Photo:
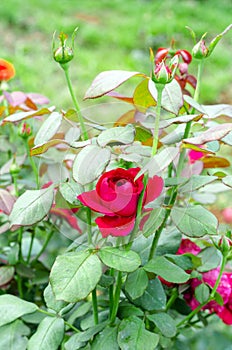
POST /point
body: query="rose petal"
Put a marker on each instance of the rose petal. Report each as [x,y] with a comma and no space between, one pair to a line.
[115,225]
[226,315]
[92,200]
[154,188]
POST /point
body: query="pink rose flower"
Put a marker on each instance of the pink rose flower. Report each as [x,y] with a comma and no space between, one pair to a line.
[116,197]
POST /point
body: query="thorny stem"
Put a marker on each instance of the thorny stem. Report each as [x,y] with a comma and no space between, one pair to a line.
[80,117]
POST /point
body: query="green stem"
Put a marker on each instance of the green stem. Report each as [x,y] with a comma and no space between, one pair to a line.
[20,237]
[111,292]
[15,182]
[199,76]
[33,165]
[81,119]
[160,88]
[30,248]
[116,298]
[223,264]
[49,236]
[139,211]
[172,299]
[20,288]
[180,163]
[95,306]
[188,125]
[89,226]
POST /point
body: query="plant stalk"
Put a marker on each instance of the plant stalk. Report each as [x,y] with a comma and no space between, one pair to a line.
[74,99]
[116,298]
[95,306]
[160,88]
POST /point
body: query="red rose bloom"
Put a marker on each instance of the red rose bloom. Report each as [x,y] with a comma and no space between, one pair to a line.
[7,70]
[116,196]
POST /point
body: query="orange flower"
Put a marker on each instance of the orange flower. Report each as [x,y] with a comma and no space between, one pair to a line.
[7,70]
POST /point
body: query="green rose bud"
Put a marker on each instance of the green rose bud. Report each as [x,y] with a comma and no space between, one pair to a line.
[64,53]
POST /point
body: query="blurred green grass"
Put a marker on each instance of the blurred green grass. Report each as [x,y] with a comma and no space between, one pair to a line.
[112,35]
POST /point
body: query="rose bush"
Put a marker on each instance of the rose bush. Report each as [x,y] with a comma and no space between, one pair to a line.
[108,239]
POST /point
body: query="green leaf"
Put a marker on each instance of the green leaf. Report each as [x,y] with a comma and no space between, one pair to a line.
[195,182]
[172,98]
[121,260]
[227,180]
[31,207]
[179,120]
[108,81]
[12,308]
[70,191]
[194,221]
[161,266]
[136,283]
[13,336]
[79,311]
[74,275]
[78,340]
[48,128]
[133,335]
[106,340]
[214,133]
[90,163]
[6,274]
[142,97]
[215,40]
[126,309]
[164,323]
[210,259]
[7,201]
[159,162]
[49,334]
[202,293]
[154,297]
[154,221]
[42,148]
[51,301]
[214,111]
[183,261]
[169,241]
[122,135]
[17,117]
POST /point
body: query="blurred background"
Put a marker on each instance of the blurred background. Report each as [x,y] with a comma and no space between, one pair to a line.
[112,35]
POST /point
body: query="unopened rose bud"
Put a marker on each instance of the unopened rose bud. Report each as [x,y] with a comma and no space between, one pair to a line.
[64,53]
[24,130]
[14,168]
[224,245]
[200,51]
